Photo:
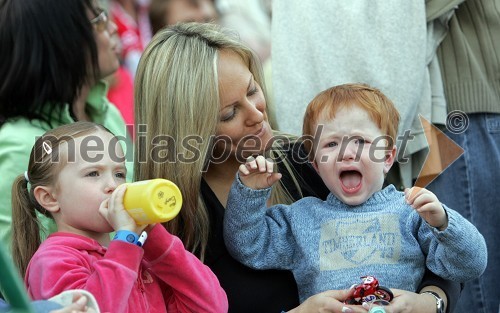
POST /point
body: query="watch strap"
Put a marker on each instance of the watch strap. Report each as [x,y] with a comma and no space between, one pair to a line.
[439,301]
[127,236]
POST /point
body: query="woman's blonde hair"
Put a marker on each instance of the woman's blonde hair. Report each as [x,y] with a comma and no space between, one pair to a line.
[46,161]
[177,105]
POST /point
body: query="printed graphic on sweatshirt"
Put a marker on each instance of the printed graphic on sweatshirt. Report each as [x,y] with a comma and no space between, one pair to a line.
[359,241]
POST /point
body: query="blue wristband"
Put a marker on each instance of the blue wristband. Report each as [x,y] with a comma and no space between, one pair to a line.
[127,236]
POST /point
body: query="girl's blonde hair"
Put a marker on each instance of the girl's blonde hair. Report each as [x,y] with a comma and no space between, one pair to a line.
[177,98]
[46,161]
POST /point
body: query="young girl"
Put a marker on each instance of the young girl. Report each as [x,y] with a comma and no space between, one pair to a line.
[75,176]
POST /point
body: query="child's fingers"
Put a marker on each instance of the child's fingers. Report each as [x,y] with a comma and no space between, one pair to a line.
[427,208]
[140,228]
[243,169]
[251,163]
[421,200]
[412,194]
[120,219]
[274,177]
[408,197]
[261,163]
[270,166]
[116,199]
[258,172]
[81,302]
[103,208]
[434,214]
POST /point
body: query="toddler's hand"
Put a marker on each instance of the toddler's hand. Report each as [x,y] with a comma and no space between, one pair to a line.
[428,206]
[113,211]
[257,173]
[76,307]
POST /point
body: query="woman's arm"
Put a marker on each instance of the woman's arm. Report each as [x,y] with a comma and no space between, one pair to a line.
[330,301]
[448,290]
[406,301]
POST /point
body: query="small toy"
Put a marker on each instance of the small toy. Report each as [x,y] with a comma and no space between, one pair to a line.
[369,291]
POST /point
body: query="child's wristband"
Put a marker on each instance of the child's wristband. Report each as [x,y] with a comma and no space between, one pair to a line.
[130,237]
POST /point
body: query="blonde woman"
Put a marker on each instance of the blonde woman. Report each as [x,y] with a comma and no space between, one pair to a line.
[201,111]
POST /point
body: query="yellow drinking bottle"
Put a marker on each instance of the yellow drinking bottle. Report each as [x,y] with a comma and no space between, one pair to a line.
[152,201]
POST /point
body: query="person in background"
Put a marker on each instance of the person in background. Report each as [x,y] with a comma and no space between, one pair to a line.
[388,46]
[51,80]
[201,100]
[251,19]
[170,12]
[470,67]
[133,28]
[133,18]
[133,34]
[121,94]
[121,88]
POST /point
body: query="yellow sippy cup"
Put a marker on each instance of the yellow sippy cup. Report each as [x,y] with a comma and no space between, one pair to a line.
[152,201]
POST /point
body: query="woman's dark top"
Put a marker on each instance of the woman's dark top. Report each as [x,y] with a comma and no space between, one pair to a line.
[272,291]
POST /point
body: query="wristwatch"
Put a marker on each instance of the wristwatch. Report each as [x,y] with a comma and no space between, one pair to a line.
[439,301]
[131,237]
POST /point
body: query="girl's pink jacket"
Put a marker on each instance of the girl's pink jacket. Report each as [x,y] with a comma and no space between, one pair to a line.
[162,277]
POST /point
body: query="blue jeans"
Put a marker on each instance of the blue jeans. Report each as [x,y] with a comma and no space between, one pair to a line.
[470,186]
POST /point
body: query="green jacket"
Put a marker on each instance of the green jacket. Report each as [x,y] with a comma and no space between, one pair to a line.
[17,136]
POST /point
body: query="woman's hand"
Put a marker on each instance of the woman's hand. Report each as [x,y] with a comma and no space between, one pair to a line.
[330,301]
[410,302]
